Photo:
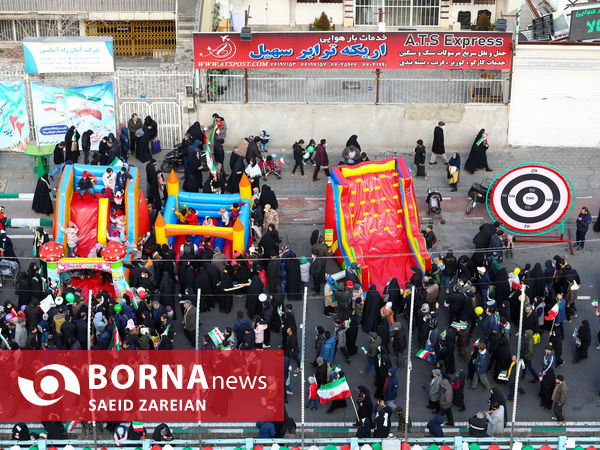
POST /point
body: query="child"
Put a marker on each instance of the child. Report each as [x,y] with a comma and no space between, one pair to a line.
[224,217]
[430,237]
[304,272]
[119,222]
[122,177]
[85,184]
[109,178]
[264,141]
[312,394]
[71,234]
[273,166]
[235,212]
[420,156]
[310,150]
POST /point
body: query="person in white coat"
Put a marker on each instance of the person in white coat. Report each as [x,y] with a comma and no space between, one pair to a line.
[495,418]
[304,272]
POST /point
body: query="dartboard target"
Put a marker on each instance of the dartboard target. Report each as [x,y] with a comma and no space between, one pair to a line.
[531,198]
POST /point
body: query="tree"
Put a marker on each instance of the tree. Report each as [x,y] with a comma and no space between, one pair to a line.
[322,23]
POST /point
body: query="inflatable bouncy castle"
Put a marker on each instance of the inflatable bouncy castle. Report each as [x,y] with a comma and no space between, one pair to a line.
[230,239]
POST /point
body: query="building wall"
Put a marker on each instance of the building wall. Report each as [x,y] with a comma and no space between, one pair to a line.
[307,12]
[555,96]
[379,127]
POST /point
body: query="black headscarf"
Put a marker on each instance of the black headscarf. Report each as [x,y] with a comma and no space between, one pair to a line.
[352,141]
[268,197]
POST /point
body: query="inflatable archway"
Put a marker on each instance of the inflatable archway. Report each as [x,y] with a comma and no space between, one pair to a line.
[52,253]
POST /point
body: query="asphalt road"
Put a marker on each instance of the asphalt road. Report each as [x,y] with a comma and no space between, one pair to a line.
[301,210]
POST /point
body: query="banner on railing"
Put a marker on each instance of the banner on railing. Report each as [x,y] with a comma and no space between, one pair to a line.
[68,54]
[55,109]
[176,385]
[14,120]
[375,50]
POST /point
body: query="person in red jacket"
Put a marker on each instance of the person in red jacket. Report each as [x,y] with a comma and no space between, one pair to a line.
[313,397]
[321,160]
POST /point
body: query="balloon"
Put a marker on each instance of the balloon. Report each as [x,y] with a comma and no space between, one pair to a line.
[118,308]
[293,448]
[9,317]
[258,447]
[70,297]
[331,447]
[433,447]
[283,447]
[444,447]
[188,448]
[473,446]
[23,310]
[377,446]
[493,447]
[545,447]
[529,447]
[343,447]
[86,448]
[591,447]
[33,447]
[155,447]
[405,446]
[479,310]
[208,448]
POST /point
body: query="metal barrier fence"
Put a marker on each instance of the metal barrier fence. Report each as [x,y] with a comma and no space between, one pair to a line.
[356,87]
[74,6]
[455,443]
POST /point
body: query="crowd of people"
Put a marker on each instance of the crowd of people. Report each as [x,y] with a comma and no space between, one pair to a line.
[473,294]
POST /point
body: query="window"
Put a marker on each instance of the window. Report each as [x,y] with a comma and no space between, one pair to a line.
[320,1]
[485,2]
[398,13]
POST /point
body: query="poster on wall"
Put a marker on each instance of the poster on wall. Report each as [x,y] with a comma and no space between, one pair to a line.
[14,120]
[69,54]
[355,50]
[55,109]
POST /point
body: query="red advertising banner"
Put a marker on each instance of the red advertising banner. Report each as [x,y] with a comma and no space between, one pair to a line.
[177,385]
[393,50]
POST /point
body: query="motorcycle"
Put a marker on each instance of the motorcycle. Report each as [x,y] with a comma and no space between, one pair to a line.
[477,194]
[174,160]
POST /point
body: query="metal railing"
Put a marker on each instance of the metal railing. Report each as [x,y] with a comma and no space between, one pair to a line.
[74,6]
[457,442]
[459,87]
[151,85]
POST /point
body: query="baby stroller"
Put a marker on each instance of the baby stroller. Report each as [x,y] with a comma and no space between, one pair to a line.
[268,166]
[434,203]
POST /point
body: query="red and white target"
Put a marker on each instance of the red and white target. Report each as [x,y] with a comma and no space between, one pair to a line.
[531,198]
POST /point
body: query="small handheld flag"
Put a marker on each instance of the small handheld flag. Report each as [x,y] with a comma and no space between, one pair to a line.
[553,312]
[70,426]
[423,354]
[595,303]
[476,343]
[282,161]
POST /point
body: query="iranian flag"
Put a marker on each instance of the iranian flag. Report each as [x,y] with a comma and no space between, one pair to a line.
[423,354]
[115,342]
[460,325]
[553,312]
[595,303]
[70,426]
[335,390]
[138,427]
[282,161]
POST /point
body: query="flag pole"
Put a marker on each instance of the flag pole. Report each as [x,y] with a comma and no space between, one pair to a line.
[198,320]
[518,372]
[409,362]
[354,404]
[302,382]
